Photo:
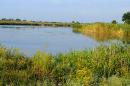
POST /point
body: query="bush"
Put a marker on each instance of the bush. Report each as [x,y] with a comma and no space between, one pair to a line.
[114,22]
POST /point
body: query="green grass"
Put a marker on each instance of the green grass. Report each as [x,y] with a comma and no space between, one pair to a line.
[102,66]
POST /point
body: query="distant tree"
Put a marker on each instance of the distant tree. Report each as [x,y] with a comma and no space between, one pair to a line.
[73,21]
[3,19]
[76,24]
[126,18]
[18,19]
[114,22]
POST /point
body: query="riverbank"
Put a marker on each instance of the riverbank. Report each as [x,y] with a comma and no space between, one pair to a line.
[105,31]
[105,65]
[35,23]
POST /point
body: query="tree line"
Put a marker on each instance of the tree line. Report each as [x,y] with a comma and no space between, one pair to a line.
[125,19]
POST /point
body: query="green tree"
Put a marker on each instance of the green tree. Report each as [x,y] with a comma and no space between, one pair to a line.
[3,19]
[76,24]
[18,19]
[114,22]
[126,18]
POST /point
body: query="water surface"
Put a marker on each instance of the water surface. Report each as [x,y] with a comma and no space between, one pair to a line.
[54,40]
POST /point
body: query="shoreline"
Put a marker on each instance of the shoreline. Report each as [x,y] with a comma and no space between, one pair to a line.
[34,23]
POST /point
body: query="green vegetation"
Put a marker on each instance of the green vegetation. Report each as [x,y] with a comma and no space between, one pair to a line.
[114,22]
[103,66]
[25,22]
[126,18]
[105,31]
[76,24]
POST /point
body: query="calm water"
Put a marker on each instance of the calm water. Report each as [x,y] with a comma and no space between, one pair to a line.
[53,40]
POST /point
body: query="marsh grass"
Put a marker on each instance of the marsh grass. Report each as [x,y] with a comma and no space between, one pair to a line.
[102,66]
[105,31]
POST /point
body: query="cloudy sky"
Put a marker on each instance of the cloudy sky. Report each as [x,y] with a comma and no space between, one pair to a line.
[65,10]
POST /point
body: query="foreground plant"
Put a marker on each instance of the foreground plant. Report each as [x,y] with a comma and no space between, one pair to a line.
[105,65]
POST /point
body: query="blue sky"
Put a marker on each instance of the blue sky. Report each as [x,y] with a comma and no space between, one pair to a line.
[65,10]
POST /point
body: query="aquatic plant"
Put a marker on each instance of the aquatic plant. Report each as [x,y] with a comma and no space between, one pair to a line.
[105,31]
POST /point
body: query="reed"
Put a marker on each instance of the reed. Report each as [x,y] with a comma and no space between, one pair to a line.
[105,31]
[101,66]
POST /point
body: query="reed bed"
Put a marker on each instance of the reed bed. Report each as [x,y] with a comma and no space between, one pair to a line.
[102,66]
[105,31]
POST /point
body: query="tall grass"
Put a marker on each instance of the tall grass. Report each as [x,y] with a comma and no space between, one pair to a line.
[105,31]
[102,66]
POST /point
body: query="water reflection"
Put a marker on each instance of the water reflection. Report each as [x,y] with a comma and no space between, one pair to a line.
[52,40]
[56,40]
[102,33]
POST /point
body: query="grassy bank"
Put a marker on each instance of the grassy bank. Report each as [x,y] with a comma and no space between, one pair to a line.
[105,31]
[103,66]
[20,22]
